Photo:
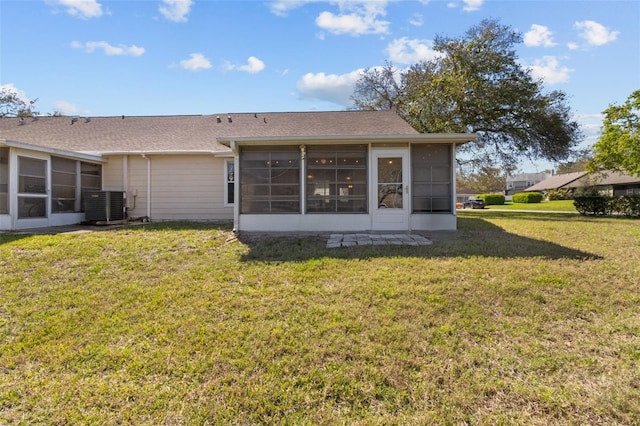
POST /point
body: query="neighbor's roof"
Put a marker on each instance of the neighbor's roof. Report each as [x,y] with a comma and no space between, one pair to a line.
[556,181]
[123,134]
[606,177]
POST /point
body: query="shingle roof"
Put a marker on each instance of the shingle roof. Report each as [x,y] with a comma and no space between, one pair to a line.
[193,132]
[556,181]
[604,178]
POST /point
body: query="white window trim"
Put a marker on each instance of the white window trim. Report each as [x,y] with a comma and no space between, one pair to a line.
[226,182]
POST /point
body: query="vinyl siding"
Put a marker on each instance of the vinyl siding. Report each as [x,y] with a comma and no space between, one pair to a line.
[183,187]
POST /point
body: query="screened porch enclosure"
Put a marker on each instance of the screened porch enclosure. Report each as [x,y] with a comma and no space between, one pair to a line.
[321,180]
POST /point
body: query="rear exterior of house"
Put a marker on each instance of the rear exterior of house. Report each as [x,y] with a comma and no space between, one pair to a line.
[356,171]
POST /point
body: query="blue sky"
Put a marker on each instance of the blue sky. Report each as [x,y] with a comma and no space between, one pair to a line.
[165,57]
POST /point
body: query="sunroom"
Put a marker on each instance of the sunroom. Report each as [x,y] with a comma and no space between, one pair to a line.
[44,187]
[354,183]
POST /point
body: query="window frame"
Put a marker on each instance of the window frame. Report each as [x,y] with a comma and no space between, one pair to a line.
[341,169]
[229,182]
[276,194]
[429,182]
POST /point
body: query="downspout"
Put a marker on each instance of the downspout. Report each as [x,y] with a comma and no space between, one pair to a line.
[125,182]
[236,192]
[148,186]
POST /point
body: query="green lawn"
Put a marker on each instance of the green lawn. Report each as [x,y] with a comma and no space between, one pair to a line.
[517,318]
[557,206]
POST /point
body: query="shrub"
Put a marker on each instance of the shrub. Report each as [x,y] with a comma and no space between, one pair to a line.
[628,205]
[593,204]
[559,194]
[527,197]
[492,199]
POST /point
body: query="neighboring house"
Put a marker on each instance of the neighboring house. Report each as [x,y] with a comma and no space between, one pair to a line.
[311,171]
[464,194]
[555,182]
[520,182]
[609,182]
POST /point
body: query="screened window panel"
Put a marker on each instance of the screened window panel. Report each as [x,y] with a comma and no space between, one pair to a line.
[4,180]
[431,178]
[270,180]
[32,176]
[32,207]
[336,179]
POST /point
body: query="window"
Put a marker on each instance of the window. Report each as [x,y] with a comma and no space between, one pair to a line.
[32,188]
[431,175]
[336,180]
[70,179]
[270,181]
[90,180]
[63,185]
[229,179]
[4,180]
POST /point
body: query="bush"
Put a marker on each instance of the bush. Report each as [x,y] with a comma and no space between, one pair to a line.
[492,199]
[601,205]
[559,194]
[592,205]
[527,197]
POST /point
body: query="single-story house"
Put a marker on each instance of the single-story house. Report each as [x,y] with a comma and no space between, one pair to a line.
[607,182]
[306,171]
[555,182]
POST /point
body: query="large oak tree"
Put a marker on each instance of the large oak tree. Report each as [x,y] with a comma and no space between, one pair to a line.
[477,84]
[619,145]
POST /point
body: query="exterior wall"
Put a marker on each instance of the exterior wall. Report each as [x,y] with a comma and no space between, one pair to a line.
[182,187]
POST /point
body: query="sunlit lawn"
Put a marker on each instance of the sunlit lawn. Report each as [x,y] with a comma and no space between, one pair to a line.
[517,318]
[556,205]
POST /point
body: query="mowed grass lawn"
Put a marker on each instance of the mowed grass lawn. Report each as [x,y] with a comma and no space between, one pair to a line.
[517,318]
[556,205]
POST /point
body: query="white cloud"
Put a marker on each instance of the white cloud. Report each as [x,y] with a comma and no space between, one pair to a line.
[109,49]
[594,33]
[176,10]
[417,20]
[362,18]
[539,35]
[329,87]
[282,7]
[472,5]
[468,5]
[353,17]
[196,62]
[83,9]
[573,46]
[410,51]
[548,69]
[65,108]
[253,66]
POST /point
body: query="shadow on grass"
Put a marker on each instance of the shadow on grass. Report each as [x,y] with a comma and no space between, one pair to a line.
[475,237]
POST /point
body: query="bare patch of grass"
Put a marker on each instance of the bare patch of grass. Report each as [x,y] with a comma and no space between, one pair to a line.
[516,318]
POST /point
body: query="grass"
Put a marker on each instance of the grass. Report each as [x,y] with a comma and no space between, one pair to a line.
[517,318]
[556,206]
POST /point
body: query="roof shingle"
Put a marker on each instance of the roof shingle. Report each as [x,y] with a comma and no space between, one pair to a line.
[193,132]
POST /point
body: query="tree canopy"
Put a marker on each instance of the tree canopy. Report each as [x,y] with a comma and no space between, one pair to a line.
[476,84]
[12,105]
[619,145]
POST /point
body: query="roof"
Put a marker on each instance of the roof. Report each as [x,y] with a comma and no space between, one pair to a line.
[527,177]
[607,177]
[193,133]
[556,181]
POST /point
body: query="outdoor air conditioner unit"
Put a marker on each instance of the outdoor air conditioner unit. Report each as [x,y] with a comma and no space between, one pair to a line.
[104,206]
